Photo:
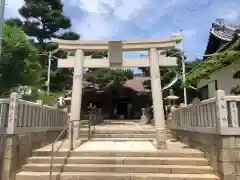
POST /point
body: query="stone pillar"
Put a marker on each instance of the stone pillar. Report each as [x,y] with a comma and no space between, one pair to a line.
[222,113]
[157,99]
[77,93]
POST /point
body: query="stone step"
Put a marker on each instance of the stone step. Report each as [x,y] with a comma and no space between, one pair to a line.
[119,139]
[124,139]
[120,160]
[46,160]
[134,176]
[124,136]
[43,167]
[161,153]
[119,168]
[123,131]
[143,138]
[118,131]
[49,153]
[137,160]
[36,176]
[112,176]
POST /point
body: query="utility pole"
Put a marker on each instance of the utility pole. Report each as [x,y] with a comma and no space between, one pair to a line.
[49,71]
[183,65]
[50,56]
[184,72]
[2,7]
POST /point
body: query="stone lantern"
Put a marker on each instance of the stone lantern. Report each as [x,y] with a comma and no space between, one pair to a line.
[171,98]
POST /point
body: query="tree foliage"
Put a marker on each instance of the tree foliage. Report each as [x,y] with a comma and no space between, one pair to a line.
[14,22]
[19,64]
[108,78]
[214,63]
[43,18]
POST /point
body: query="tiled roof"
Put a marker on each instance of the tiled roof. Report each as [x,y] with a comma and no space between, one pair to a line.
[223,32]
[137,83]
[221,35]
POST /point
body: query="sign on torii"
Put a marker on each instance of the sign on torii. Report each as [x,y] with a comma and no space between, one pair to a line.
[115,59]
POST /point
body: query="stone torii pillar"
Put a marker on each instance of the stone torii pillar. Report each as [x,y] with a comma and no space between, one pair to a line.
[77,94]
[157,98]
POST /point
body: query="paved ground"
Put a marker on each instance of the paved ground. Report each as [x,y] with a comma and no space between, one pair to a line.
[118,145]
[133,146]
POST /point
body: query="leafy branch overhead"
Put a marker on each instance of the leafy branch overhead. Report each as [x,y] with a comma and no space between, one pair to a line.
[214,63]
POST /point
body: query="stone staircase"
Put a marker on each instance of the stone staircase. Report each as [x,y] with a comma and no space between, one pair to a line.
[119,154]
[119,165]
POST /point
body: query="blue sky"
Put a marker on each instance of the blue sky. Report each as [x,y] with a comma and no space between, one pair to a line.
[136,19]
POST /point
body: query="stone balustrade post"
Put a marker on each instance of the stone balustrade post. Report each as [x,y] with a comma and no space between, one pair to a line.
[40,102]
[10,142]
[222,115]
[13,112]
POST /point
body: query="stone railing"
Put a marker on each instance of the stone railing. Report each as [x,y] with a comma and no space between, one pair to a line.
[212,126]
[24,127]
[19,116]
[4,107]
[219,115]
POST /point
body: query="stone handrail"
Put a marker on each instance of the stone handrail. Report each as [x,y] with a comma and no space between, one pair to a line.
[4,107]
[20,116]
[219,115]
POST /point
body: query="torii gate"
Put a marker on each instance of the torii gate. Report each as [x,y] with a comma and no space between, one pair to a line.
[115,50]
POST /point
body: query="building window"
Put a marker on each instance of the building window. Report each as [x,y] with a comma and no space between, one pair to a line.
[216,85]
[203,93]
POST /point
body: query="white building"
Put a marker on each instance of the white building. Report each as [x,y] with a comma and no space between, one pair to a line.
[220,79]
[223,38]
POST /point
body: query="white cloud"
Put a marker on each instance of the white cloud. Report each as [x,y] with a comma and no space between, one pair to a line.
[104,18]
[107,19]
[129,9]
[228,10]
[93,6]
[11,8]
[96,27]
[122,9]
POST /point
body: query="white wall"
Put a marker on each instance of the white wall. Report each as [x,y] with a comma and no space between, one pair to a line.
[224,79]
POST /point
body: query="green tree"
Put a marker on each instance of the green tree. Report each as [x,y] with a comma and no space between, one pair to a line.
[108,79]
[43,18]
[19,64]
[14,22]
